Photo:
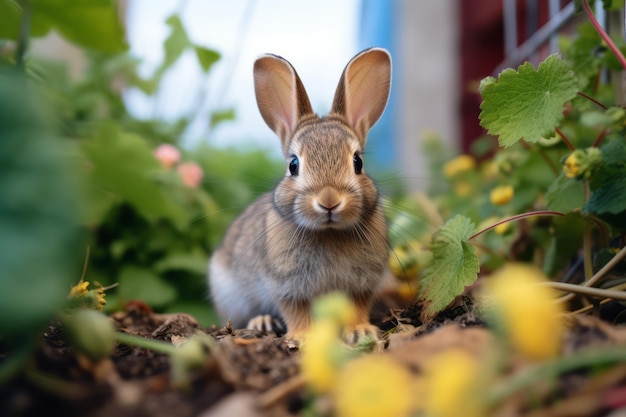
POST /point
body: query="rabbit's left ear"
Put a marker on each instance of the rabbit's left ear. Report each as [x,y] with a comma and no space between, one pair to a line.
[363,90]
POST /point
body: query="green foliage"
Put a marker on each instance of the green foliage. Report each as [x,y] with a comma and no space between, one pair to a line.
[140,183]
[572,162]
[453,267]
[177,43]
[526,103]
[150,226]
[39,236]
[89,23]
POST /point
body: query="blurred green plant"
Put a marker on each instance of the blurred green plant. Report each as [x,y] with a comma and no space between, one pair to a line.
[561,164]
[150,222]
[39,213]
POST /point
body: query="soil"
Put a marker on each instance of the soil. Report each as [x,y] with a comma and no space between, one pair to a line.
[252,373]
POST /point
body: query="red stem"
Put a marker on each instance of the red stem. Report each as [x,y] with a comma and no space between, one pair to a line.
[519,216]
[618,54]
[565,139]
[601,136]
[593,100]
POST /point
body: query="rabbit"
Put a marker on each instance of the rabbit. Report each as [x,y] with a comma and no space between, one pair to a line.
[322,228]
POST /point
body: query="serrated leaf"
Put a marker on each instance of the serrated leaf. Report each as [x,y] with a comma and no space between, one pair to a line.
[527,103]
[453,267]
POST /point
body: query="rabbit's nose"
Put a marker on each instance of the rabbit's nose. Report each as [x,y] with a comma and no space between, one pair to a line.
[329,200]
[325,208]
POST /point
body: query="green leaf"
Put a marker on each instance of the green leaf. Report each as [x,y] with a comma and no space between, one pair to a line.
[583,53]
[565,242]
[609,197]
[92,24]
[11,13]
[453,267]
[526,103]
[143,284]
[614,152]
[565,194]
[196,263]
[223,115]
[174,45]
[206,57]
[40,245]
[110,154]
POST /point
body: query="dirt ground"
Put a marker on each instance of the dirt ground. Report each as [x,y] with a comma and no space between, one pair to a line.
[255,374]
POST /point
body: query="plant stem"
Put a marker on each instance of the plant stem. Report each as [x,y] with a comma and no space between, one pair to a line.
[518,217]
[600,137]
[594,292]
[587,238]
[565,139]
[605,37]
[145,343]
[601,273]
[530,375]
[593,100]
[22,41]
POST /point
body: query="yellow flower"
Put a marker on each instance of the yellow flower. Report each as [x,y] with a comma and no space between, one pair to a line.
[527,310]
[319,355]
[335,306]
[571,168]
[451,387]
[374,386]
[100,301]
[501,195]
[462,189]
[458,165]
[79,290]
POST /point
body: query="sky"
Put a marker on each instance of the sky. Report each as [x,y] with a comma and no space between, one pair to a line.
[318,38]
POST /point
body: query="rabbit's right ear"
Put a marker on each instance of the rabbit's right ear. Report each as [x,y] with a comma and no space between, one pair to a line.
[280,96]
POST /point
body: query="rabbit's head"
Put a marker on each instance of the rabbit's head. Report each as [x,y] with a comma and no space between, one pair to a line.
[325,185]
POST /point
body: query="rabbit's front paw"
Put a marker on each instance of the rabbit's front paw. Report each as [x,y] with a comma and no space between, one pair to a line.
[355,334]
[266,323]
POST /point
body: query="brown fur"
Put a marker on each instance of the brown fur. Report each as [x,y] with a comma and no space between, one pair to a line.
[323,229]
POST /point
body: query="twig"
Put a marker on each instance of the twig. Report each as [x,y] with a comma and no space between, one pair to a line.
[280,391]
[600,137]
[565,139]
[518,217]
[593,100]
[600,274]
[591,291]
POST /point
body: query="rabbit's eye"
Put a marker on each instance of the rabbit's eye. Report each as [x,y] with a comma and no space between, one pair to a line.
[294,165]
[358,163]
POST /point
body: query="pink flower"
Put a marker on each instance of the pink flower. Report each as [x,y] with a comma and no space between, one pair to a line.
[167,154]
[190,173]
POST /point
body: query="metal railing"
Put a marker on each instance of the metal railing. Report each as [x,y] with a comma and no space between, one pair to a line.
[517,52]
